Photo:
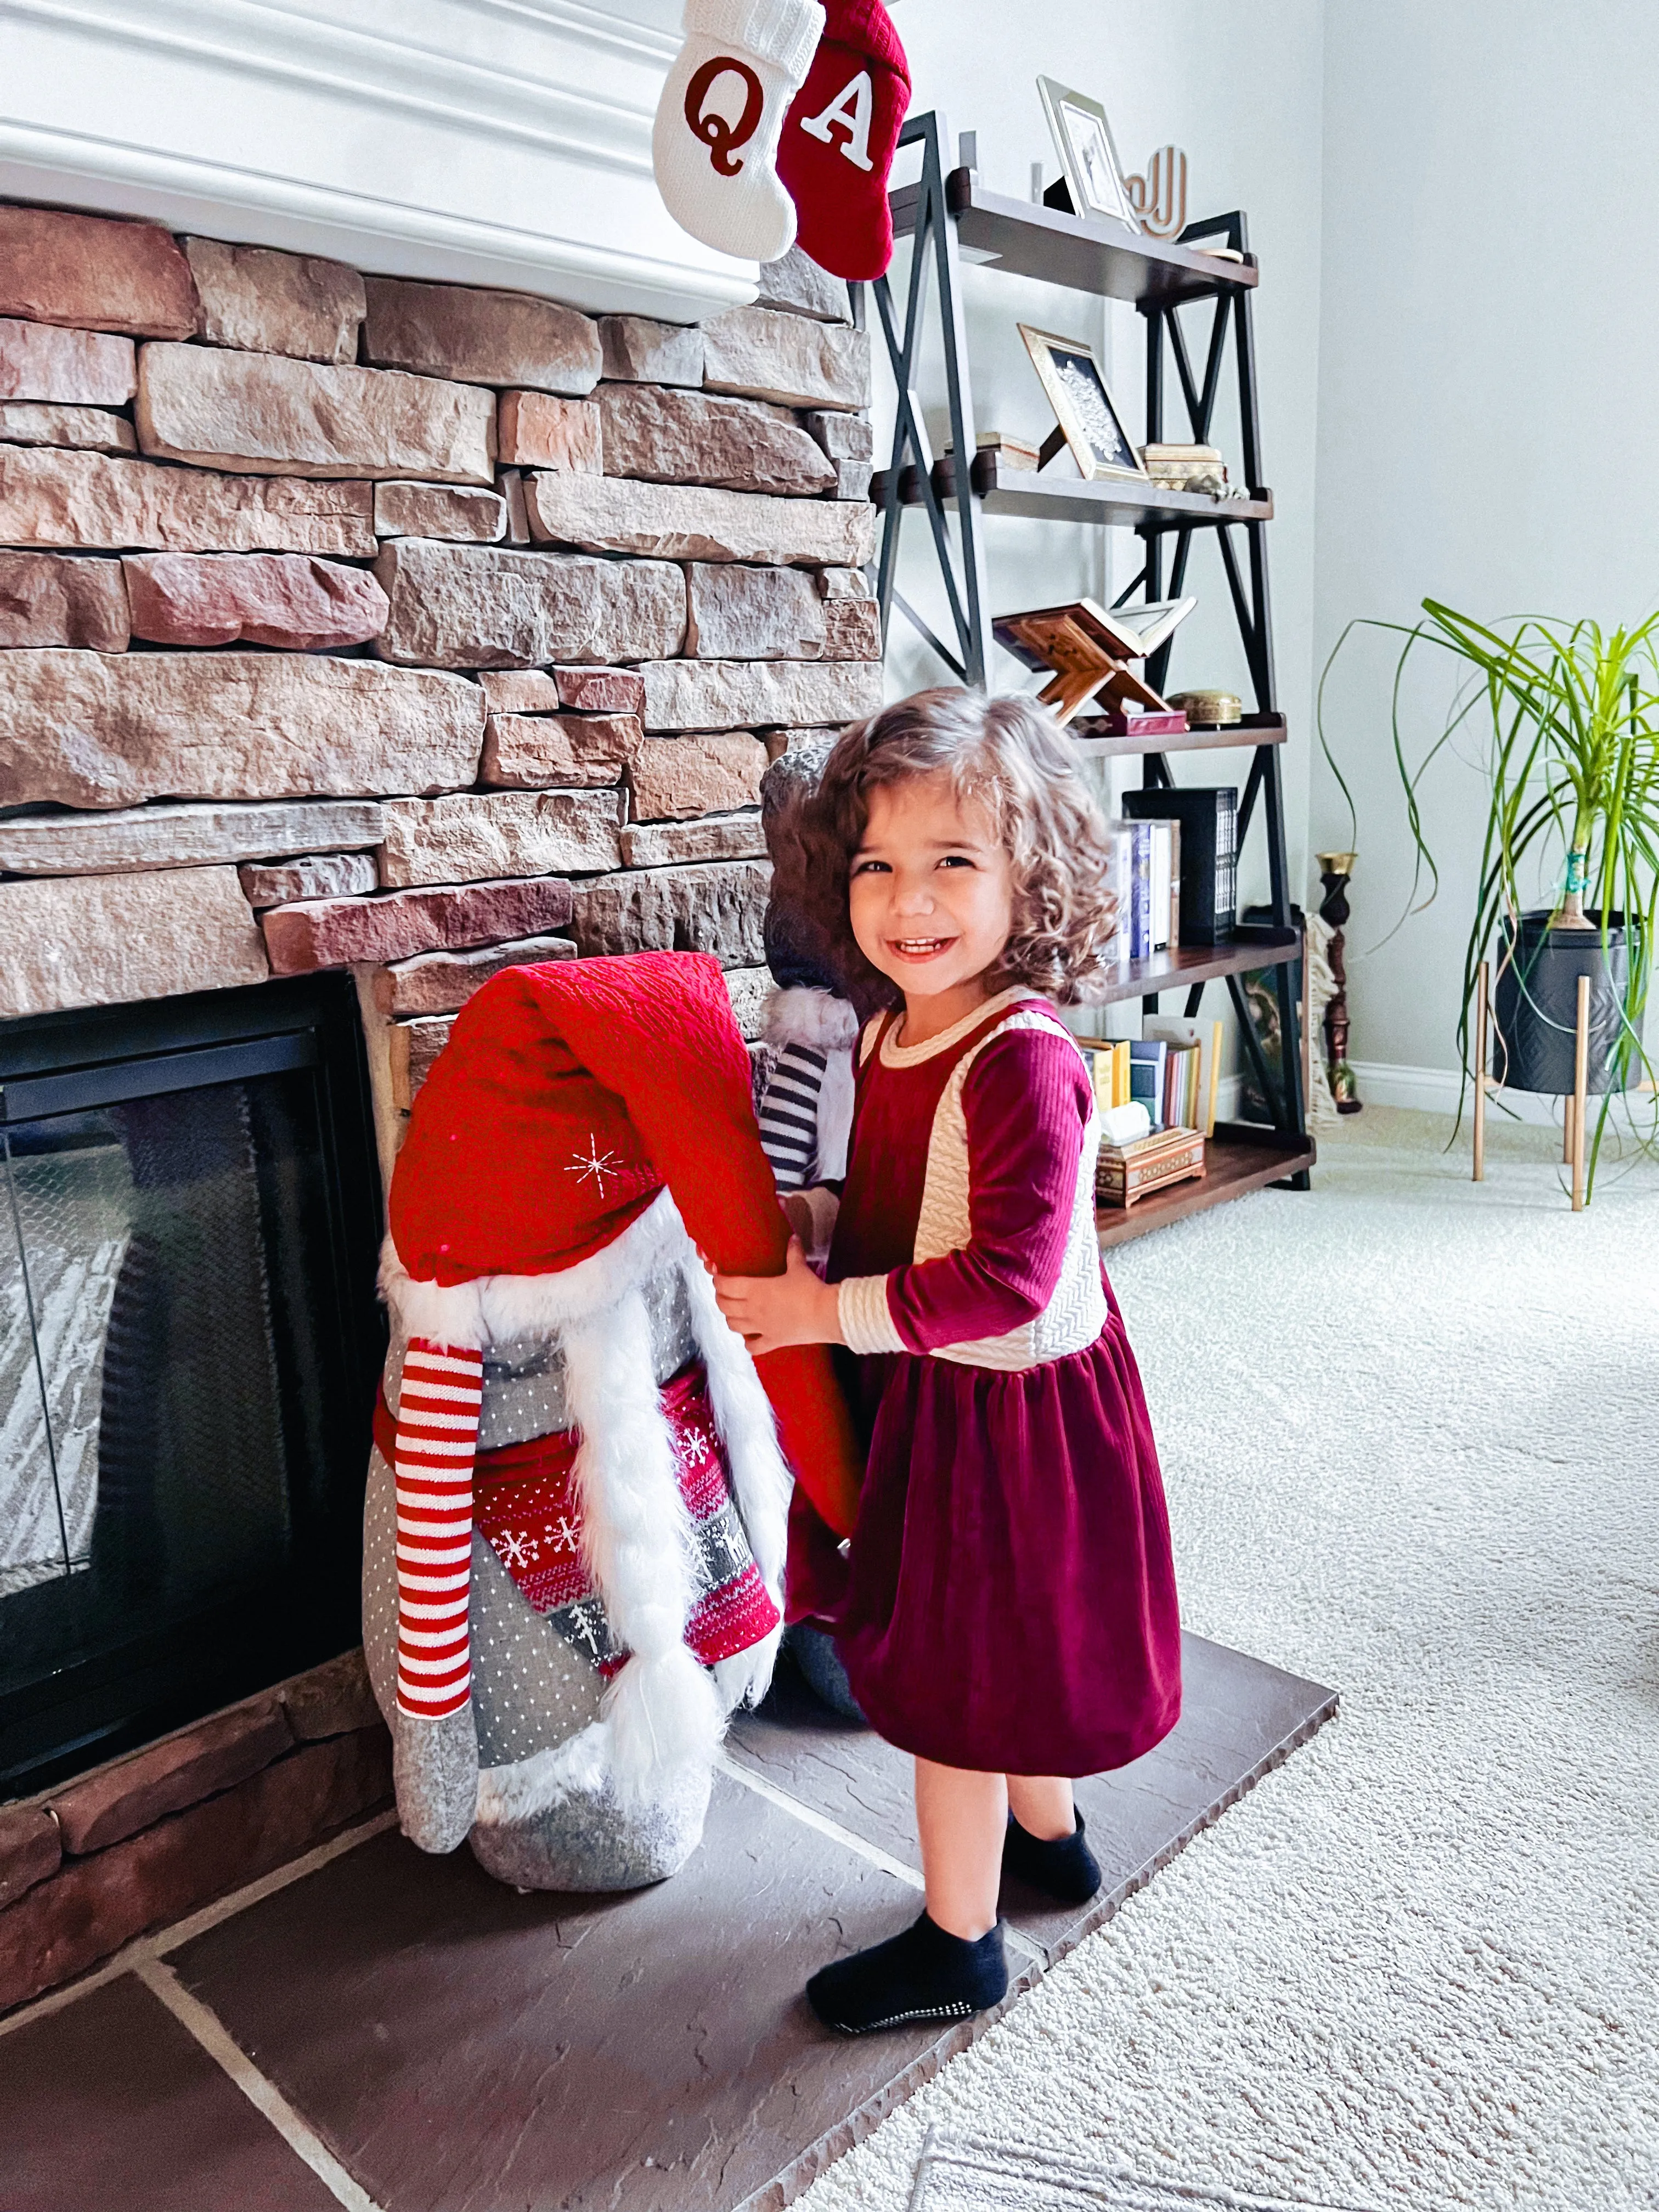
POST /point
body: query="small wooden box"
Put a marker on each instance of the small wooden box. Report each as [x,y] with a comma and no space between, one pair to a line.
[1131,1172]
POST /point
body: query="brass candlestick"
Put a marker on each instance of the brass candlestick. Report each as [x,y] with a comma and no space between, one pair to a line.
[1335,871]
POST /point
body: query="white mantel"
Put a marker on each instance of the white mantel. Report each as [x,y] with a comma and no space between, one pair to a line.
[489,142]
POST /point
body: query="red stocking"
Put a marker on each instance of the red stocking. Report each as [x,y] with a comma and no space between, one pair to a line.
[838,141]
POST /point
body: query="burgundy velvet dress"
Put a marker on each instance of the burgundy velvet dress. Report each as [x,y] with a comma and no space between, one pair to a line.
[1011,1604]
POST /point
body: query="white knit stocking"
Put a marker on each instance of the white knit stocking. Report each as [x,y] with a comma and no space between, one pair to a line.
[716,142]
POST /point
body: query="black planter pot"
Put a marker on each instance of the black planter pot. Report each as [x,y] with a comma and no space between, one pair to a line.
[1535,1004]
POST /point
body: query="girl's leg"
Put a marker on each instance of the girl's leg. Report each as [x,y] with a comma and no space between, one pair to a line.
[962,1818]
[1042,1805]
[949,1963]
[1046,1846]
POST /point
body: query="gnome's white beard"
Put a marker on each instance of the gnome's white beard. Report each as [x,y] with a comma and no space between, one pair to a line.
[636,1535]
[663,1711]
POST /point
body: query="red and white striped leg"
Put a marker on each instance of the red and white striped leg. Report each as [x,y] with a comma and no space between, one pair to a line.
[437,1408]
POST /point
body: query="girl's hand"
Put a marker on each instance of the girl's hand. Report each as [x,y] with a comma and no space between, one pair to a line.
[771,1311]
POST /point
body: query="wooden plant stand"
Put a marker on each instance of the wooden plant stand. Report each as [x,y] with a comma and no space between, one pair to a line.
[1573,1104]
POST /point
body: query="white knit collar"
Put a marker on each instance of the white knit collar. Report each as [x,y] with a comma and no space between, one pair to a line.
[912,1056]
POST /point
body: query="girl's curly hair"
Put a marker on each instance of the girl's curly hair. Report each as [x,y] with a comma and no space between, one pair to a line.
[1007,755]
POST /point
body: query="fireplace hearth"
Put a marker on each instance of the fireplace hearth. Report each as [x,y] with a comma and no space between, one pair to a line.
[189,1208]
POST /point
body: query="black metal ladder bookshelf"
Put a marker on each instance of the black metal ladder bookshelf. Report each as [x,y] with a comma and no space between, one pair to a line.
[950,219]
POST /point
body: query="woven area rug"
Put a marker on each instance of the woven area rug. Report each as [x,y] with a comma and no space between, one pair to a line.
[1411,1436]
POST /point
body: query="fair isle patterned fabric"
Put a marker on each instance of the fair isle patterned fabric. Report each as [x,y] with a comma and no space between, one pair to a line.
[432,1455]
[522,1500]
[789,1115]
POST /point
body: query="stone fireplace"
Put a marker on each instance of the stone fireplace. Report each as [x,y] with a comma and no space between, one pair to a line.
[360,634]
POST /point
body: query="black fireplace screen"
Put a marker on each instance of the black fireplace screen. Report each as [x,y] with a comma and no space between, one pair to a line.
[188,1209]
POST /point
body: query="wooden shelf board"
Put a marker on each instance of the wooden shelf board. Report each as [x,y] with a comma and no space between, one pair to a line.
[1188,964]
[1082,254]
[1233,1167]
[1231,737]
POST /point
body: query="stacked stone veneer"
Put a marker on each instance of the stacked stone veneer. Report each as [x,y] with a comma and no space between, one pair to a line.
[354,622]
[143,1840]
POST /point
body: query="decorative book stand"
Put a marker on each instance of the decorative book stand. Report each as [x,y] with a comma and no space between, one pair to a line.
[948,219]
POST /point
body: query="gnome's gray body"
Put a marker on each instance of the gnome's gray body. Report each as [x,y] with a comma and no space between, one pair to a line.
[558,1779]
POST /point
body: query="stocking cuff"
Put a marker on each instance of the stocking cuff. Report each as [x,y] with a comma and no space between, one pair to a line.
[867,29]
[784,33]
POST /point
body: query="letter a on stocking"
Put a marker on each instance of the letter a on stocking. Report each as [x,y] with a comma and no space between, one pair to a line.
[837,145]
[715,140]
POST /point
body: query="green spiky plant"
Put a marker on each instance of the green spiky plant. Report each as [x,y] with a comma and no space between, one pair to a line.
[1572,768]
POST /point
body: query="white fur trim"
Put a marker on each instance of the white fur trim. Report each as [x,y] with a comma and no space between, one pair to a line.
[637,1538]
[743,1413]
[746,1676]
[580,1764]
[835,1095]
[818,1019]
[495,1309]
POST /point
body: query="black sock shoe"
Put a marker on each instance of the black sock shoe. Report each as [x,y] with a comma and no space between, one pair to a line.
[1065,1869]
[923,1974]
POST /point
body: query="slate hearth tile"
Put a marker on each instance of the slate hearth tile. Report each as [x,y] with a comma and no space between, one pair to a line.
[1240,1716]
[457,2044]
[110,2102]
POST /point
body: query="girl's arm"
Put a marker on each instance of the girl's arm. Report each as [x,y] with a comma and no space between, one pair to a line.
[1025,1104]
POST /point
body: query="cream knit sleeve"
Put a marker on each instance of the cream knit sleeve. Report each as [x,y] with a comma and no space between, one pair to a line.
[866,1325]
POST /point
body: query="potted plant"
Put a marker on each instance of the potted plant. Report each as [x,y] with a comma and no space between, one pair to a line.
[1569,868]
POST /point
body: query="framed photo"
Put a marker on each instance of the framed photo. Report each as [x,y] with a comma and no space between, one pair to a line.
[1083,405]
[1083,139]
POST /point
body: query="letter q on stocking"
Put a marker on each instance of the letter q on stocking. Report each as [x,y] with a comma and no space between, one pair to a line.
[714,141]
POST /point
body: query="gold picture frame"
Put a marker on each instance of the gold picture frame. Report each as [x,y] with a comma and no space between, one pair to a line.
[1088,155]
[1072,376]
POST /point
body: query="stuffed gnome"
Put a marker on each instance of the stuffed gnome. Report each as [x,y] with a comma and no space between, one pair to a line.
[575,1528]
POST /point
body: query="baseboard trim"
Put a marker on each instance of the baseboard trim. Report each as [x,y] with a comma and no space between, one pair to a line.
[1437,1090]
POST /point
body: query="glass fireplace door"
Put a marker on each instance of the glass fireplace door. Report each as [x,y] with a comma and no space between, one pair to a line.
[187,1349]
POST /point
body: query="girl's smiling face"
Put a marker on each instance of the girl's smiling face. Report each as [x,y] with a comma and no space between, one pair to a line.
[931,892]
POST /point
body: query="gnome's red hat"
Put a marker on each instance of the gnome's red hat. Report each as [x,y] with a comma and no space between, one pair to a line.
[587,1126]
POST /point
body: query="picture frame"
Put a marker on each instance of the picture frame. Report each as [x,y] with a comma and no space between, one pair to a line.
[1088,155]
[1070,373]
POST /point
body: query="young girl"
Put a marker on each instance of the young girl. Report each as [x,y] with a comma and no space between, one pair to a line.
[1010,1613]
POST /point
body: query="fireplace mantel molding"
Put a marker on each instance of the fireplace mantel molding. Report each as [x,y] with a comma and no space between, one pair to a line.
[485,141]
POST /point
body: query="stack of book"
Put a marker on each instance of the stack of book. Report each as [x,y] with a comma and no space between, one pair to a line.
[1203,821]
[1013,453]
[1186,468]
[1144,870]
[1172,1070]
[1128,1172]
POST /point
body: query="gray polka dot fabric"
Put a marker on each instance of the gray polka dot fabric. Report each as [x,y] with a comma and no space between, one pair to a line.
[531,1689]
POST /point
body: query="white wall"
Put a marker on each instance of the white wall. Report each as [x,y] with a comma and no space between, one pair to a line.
[1488,357]
[1240,89]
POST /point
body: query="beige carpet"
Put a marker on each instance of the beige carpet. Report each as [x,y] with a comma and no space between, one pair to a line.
[1411,1434]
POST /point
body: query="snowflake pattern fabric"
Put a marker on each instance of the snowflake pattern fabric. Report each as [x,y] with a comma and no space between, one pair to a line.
[525,1505]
